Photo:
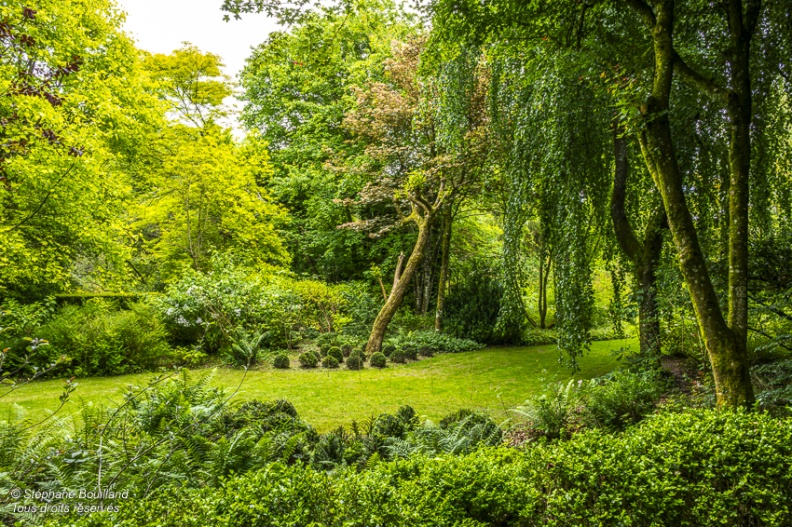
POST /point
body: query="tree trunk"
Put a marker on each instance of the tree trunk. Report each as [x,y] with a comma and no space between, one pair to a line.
[400,285]
[644,256]
[728,357]
[544,275]
[444,259]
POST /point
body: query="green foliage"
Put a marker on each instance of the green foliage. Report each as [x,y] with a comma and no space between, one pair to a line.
[436,342]
[388,350]
[472,306]
[281,361]
[621,399]
[354,362]
[550,413]
[336,353]
[330,362]
[99,339]
[308,359]
[703,468]
[378,360]
[398,357]
[75,107]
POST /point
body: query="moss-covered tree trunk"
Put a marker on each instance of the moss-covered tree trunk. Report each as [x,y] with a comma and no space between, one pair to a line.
[400,286]
[727,354]
[643,254]
[445,256]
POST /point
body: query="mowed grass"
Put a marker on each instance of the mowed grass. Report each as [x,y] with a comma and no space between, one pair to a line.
[493,380]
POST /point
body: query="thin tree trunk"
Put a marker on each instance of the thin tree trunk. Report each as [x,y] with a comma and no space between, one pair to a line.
[644,256]
[728,357]
[427,275]
[400,285]
[444,259]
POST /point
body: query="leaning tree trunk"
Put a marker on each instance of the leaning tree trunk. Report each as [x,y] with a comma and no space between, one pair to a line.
[399,287]
[727,354]
[444,259]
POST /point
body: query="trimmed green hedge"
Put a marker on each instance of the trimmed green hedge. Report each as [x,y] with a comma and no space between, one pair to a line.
[702,468]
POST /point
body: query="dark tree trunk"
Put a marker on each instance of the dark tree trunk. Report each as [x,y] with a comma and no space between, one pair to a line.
[445,256]
[644,254]
[545,263]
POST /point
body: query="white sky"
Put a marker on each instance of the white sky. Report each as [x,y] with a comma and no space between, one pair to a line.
[160,26]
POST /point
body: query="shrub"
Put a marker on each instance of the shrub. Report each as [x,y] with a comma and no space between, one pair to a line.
[437,342]
[354,362]
[550,413]
[620,399]
[100,339]
[308,359]
[327,340]
[426,351]
[281,361]
[346,350]
[337,354]
[330,362]
[398,357]
[472,307]
[410,352]
[378,360]
[387,350]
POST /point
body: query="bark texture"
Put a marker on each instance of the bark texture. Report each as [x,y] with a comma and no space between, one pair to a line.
[725,342]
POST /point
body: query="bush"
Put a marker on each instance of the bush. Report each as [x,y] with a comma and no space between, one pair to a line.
[620,399]
[426,352]
[388,350]
[100,339]
[378,360]
[410,353]
[436,342]
[550,413]
[337,355]
[472,307]
[354,362]
[346,350]
[702,468]
[398,357]
[308,359]
[330,362]
[281,361]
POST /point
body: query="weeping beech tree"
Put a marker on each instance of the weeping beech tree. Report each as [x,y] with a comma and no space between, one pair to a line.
[673,68]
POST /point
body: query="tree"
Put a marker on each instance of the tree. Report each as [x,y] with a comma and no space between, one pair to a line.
[408,162]
[199,193]
[297,90]
[73,107]
[681,39]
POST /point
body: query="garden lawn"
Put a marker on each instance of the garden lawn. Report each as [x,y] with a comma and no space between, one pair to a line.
[493,380]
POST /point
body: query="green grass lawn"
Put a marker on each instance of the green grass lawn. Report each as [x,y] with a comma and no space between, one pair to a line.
[492,380]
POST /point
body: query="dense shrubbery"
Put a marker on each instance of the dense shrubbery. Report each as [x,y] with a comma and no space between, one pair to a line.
[612,402]
[434,341]
[97,338]
[472,306]
[691,469]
